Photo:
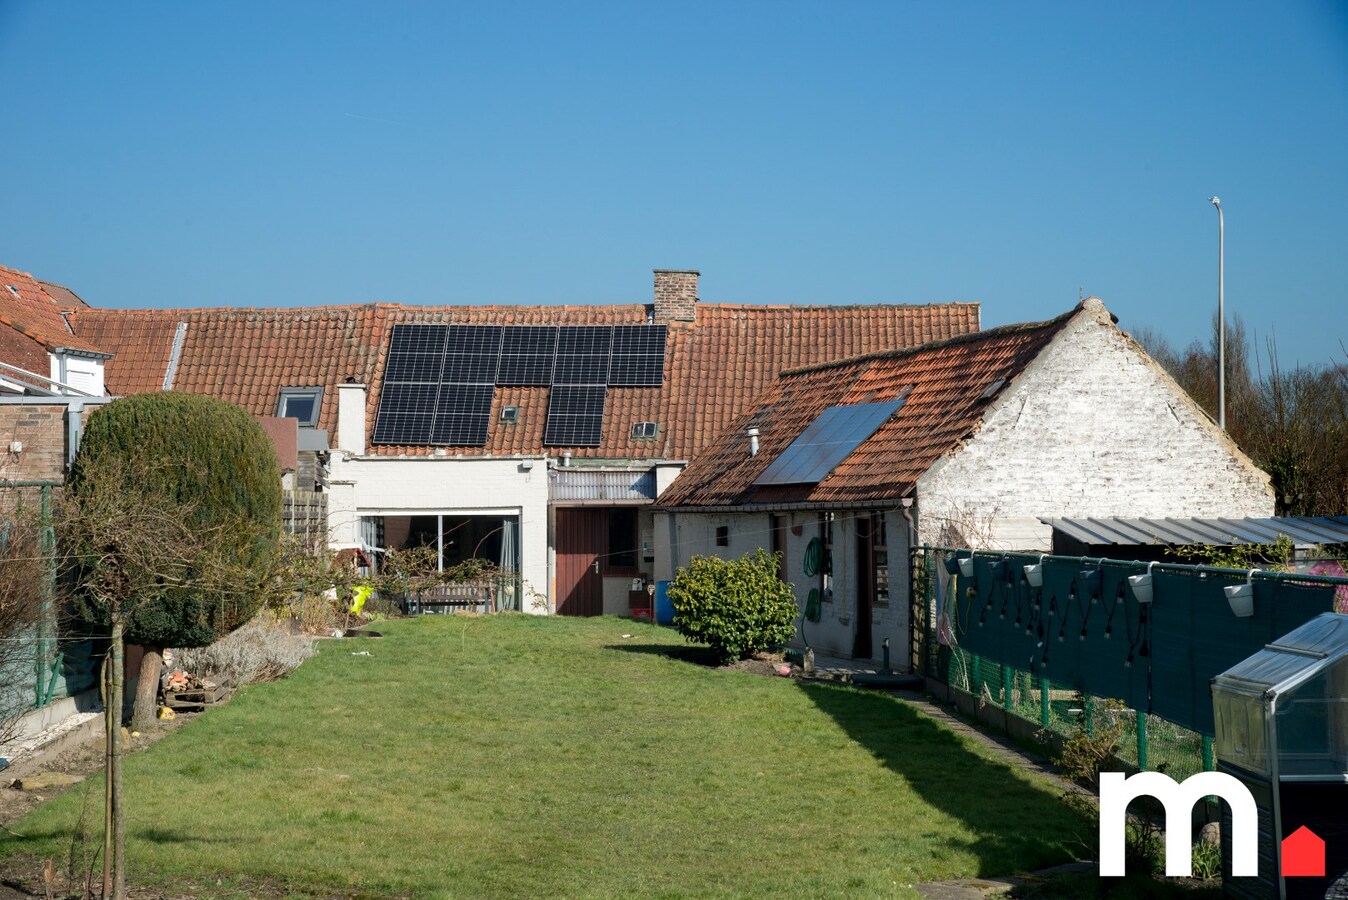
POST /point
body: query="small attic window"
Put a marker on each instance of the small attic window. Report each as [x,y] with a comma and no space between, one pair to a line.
[645,431]
[992,388]
[510,415]
[302,403]
[13,290]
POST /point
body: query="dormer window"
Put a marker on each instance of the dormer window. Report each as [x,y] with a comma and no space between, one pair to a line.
[645,431]
[302,403]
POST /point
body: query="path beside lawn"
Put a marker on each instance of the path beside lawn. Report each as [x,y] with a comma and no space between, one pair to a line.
[524,756]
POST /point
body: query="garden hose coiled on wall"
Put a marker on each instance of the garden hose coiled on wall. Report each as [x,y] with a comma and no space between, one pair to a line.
[814,555]
[812,606]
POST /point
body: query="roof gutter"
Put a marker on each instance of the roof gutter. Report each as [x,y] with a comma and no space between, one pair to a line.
[80,351]
[795,506]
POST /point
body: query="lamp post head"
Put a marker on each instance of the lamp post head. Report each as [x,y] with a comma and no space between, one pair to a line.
[1215,201]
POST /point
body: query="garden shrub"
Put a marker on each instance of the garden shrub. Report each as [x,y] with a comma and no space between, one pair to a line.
[737,607]
[211,459]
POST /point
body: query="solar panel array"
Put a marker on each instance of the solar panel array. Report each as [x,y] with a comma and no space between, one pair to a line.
[440,379]
[827,441]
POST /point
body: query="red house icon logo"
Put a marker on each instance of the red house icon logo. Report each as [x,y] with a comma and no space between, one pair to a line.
[1303,853]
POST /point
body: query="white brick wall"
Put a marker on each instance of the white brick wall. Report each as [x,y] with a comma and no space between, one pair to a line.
[1093,427]
[834,633]
[366,486]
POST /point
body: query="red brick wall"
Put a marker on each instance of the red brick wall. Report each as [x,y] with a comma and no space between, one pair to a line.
[675,295]
[42,431]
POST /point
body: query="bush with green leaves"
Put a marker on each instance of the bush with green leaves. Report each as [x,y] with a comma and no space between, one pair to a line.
[210,459]
[737,607]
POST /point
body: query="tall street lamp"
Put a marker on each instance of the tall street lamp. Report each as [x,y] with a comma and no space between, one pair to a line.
[1221,315]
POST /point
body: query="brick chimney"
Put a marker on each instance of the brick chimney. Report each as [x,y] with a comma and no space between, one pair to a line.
[675,295]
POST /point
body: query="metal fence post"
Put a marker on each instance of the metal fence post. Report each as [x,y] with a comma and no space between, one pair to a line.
[47,644]
[1141,741]
[1208,763]
[1006,688]
[1043,701]
[1088,710]
[976,679]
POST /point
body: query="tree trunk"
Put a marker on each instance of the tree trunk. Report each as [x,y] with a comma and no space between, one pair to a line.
[109,738]
[147,689]
[115,775]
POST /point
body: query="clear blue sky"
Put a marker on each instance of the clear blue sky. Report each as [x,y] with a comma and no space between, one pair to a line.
[248,153]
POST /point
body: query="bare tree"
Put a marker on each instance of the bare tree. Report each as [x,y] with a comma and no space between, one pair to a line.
[1292,423]
[125,549]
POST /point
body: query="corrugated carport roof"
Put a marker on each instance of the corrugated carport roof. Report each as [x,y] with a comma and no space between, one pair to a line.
[1303,530]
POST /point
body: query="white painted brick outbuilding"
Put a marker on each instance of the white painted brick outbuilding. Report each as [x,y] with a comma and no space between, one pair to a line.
[1063,418]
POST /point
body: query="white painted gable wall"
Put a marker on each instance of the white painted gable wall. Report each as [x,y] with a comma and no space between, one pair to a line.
[1092,427]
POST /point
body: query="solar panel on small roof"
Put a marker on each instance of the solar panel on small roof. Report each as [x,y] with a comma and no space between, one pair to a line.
[827,441]
[575,415]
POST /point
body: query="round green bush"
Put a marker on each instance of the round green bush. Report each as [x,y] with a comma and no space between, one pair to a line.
[737,607]
[212,459]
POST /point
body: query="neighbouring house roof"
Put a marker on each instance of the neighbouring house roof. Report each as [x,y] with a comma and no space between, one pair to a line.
[1304,531]
[715,368]
[284,434]
[946,386]
[34,308]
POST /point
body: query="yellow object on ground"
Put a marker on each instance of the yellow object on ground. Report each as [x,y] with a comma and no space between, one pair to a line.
[359,596]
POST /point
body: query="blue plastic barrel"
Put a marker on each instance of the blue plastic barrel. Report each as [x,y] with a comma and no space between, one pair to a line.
[664,610]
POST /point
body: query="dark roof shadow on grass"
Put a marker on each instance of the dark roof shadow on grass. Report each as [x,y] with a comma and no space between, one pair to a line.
[1018,828]
[688,653]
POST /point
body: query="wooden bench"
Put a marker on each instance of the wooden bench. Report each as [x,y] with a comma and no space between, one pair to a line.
[473,595]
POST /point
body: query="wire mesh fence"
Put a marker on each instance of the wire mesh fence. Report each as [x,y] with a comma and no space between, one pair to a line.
[1144,741]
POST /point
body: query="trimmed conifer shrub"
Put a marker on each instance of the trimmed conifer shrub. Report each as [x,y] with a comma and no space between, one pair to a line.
[212,460]
[738,607]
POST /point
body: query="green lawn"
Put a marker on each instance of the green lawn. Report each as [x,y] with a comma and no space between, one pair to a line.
[520,756]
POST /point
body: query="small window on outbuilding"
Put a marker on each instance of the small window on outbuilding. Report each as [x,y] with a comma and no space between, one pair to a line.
[723,535]
[302,403]
[510,415]
[645,431]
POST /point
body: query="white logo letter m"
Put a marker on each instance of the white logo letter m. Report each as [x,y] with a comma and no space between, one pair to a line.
[1117,791]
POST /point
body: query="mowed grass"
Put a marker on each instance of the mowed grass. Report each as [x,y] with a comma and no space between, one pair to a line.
[517,756]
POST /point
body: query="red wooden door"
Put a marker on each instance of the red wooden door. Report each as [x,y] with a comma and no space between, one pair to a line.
[582,538]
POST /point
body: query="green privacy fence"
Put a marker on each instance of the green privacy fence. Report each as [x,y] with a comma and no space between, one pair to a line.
[1052,652]
[40,661]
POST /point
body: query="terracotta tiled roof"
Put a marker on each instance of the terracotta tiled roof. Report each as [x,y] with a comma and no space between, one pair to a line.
[140,345]
[27,307]
[949,384]
[714,371]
